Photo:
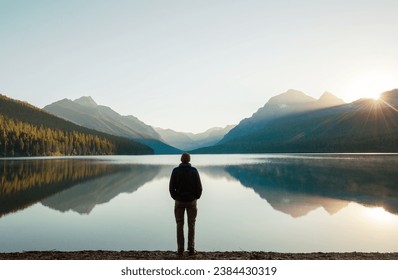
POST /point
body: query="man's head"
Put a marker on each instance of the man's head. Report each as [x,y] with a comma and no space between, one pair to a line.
[185,158]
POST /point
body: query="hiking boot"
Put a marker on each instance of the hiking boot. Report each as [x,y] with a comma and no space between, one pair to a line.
[180,252]
[192,251]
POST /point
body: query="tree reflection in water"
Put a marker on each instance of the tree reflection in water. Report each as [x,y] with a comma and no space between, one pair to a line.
[26,182]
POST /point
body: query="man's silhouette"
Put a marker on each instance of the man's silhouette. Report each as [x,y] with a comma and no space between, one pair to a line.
[185,188]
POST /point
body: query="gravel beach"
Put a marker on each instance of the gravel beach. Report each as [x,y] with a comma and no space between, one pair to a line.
[170,255]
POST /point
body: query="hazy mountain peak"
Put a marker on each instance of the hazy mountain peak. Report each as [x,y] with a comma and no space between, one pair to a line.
[291,96]
[86,101]
[391,92]
[189,141]
[327,95]
[330,99]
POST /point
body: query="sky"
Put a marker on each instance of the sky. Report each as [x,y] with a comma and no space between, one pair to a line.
[191,65]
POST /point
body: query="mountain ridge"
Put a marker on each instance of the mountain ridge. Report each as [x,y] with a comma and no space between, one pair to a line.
[284,104]
[86,101]
[86,112]
[88,109]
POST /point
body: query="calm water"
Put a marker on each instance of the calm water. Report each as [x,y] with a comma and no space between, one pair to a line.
[285,203]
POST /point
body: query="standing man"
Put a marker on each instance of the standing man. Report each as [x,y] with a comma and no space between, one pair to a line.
[185,188]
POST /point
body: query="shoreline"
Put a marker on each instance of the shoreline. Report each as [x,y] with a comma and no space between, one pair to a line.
[171,255]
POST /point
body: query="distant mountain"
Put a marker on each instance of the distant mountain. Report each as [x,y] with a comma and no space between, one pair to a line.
[30,131]
[327,99]
[190,141]
[362,126]
[288,103]
[86,112]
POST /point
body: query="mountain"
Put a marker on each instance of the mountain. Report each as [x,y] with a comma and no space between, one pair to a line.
[26,130]
[365,125]
[287,103]
[190,141]
[86,112]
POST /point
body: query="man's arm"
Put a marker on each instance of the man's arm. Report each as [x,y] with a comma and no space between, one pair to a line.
[198,186]
[172,188]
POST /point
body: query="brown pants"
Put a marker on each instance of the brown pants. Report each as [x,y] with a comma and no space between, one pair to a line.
[179,212]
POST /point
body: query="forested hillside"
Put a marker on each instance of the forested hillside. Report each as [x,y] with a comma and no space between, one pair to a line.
[28,131]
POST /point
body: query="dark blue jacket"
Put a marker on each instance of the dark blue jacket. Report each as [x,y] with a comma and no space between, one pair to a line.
[185,183]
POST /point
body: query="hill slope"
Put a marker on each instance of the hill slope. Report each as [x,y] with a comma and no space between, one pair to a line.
[29,131]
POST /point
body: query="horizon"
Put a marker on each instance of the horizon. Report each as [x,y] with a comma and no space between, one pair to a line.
[193,66]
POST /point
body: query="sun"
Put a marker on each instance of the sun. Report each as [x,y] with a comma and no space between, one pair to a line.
[370,85]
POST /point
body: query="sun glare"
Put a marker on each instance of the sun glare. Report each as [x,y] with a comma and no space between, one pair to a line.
[379,214]
[370,86]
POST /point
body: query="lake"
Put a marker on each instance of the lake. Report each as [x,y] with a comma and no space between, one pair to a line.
[268,202]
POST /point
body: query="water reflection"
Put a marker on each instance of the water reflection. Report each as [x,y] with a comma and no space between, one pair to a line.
[294,185]
[26,182]
[297,185]
[83,197]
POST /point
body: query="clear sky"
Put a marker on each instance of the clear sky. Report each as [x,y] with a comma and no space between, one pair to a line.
[191,65]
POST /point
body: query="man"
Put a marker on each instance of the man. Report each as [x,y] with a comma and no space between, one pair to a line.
[185,188]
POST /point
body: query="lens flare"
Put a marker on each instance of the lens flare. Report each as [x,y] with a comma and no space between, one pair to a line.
[370,86]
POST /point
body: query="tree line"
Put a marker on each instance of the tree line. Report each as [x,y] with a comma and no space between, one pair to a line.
[18,138]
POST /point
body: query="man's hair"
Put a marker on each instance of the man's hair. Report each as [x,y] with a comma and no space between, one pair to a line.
[185,158]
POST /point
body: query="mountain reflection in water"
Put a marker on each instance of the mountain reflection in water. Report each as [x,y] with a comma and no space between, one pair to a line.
[83,197]
[297,185]
[26,182]
[64,184]
[294,185]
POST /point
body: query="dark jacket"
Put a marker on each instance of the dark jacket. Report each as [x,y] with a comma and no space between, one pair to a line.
[185,183]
